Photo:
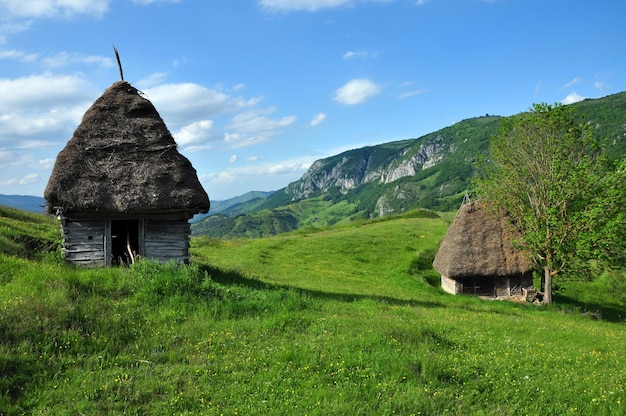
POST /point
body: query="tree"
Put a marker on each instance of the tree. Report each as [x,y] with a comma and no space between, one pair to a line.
[549,175]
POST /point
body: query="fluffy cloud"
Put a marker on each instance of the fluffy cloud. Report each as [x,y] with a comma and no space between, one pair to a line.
[195,132]
[182,104]
[28,179]
[18,55]
[238,140]
[37,110]
[357,91]
[255,173]
[8,28]
[152,80]
[257,120]
[572,98]
[43,91]
[255,126]
[61,59]
[317,119]
[52,8]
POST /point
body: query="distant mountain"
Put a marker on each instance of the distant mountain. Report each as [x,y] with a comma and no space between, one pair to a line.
[433,172]
[24,202]
[234,206]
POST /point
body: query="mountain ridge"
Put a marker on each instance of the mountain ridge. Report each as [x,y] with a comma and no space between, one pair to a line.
[433,172]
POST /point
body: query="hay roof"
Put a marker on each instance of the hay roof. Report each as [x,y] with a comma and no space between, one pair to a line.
[478,243]
[123,159]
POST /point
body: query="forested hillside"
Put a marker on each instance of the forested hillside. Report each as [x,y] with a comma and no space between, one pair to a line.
[432,172]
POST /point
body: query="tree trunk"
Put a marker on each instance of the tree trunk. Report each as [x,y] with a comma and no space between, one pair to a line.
[547,277]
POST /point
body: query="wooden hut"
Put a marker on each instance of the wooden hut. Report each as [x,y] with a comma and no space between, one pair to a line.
[477,257]
[121,188]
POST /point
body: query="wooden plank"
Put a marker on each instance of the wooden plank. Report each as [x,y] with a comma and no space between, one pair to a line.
[86,256]
[172,245]
[83,242]
[161,251]
[83,247]
[89,263]
[168,242]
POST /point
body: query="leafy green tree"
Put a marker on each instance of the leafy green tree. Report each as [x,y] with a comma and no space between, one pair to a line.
[549,175]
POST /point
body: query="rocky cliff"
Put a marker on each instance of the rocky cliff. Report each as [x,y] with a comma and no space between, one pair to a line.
[374,164]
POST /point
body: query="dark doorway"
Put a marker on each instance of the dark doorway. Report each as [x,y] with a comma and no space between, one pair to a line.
[481,286]
[124,241]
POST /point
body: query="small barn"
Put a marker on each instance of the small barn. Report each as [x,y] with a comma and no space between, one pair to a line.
[120,187]
[477,256]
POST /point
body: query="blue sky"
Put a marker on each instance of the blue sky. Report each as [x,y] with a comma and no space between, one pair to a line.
[254,91]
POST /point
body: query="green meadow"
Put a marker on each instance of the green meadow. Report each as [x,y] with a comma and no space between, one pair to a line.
[345,320]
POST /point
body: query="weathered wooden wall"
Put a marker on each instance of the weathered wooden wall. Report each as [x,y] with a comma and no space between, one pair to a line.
[84,242]
[167,240]
[87,242]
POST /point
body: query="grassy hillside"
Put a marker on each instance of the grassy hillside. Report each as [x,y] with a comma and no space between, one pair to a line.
[27,234]
[440,187]
[345,320]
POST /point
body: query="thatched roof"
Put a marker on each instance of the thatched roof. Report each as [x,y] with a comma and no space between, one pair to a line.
[123,159]
[478,243]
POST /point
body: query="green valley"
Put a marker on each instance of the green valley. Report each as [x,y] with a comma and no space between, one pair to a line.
[347,319]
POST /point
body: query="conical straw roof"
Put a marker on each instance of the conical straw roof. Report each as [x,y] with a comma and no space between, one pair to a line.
[478,243]
[123,159]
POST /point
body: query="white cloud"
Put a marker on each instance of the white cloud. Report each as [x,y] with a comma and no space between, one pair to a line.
[359,54]
[237,140]
[8,182]
[239,86]
[286,6]
[357,91]
[61,59]
[196,132]
[43,163]
[317,119]
[43,91]
[573,82]
[232,159]
[255,126]
[298,5]
[52,8]
[412,93]
[222,178]
[262,175]
[18,55]
[12,28]
[37,110]
[152,80]
[28,179]
[182,104]
[599,86]
[258,120]
[572,98]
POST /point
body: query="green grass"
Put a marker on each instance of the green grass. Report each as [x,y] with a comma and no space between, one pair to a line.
[338,321]
[27,234]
